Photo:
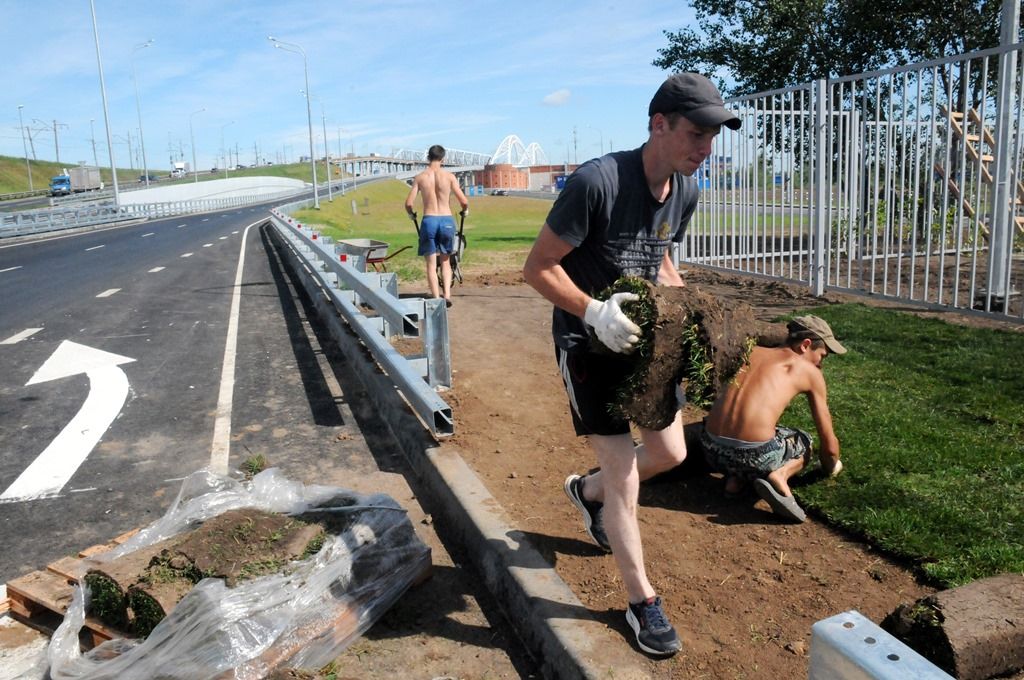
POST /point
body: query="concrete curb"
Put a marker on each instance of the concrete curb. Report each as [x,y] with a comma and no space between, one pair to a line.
[557,629]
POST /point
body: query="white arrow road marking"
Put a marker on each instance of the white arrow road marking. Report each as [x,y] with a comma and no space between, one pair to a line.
[15,339]
[108,389]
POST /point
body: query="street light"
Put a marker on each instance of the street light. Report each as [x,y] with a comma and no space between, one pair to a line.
[24,146]
[292,47]
[192,135]
[223,150]
[106,116]
[138,108]
[327,151]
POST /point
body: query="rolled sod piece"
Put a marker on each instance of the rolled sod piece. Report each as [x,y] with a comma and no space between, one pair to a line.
[687,335]
[972,632]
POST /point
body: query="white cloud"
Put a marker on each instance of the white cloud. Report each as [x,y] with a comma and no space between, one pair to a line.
[557,98]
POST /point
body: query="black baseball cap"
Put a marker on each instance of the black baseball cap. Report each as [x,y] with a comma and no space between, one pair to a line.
[696,98]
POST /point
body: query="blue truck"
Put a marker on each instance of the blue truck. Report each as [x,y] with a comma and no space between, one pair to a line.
[82,178]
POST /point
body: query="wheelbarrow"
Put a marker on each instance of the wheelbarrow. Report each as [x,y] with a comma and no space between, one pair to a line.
[374,253]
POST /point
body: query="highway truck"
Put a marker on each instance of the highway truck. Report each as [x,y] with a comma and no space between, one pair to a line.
[82,178]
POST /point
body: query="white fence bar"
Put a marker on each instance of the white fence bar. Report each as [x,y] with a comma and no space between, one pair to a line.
[885,183]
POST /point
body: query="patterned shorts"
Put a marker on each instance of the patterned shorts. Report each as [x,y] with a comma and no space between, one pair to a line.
[753,462]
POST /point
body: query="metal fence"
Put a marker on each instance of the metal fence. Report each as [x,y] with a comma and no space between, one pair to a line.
[905,182]
[369,303]
[86,214]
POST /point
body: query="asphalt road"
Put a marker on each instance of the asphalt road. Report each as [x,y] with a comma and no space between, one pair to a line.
[113,345]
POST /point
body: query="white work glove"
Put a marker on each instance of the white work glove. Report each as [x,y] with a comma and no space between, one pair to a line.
[612,326]
[837,469]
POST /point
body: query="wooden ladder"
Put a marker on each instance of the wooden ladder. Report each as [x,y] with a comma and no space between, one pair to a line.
[973,145]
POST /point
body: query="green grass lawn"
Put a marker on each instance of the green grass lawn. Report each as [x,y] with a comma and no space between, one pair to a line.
[929,414]
[498,228]
[930,419]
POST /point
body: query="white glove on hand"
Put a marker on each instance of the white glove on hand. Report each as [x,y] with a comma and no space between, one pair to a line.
[837,469]
[612,326]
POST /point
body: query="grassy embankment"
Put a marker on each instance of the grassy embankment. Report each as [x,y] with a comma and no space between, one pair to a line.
[499,229]
[929,413]
[14,174]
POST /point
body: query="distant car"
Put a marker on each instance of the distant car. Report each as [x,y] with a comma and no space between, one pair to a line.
[213,170]
[499,192]
[239,167]
[152,178]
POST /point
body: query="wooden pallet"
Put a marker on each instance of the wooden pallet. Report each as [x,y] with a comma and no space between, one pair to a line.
[40,599]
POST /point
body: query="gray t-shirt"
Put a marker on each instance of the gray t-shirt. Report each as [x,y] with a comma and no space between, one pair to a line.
[606,212]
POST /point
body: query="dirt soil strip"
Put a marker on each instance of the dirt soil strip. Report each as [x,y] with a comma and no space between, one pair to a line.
[742,588]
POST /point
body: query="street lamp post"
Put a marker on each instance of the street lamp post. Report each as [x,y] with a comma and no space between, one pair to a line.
[327,151]
[292,47]
[192,135]
[24,146]
[223,150]
[106,116]
[138,108]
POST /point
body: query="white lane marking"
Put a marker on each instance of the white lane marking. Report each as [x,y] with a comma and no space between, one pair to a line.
[234,232]
[223,237]
[108,389]
[187,255]
[182,225]
[149,234]
[108,292]
[18,337]
[207,245]
[95,248]
[10,269]
[205,219]
[154,270]
[222,424]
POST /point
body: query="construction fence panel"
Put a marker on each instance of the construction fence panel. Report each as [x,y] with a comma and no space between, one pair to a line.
[905,183]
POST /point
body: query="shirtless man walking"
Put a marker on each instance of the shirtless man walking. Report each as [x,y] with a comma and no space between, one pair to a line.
[437,232]
[741,435]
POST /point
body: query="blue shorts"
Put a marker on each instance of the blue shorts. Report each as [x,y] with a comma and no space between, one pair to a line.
[753,460]
[437,235]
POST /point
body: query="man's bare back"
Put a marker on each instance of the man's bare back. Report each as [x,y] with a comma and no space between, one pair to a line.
[750,407]
[435,188]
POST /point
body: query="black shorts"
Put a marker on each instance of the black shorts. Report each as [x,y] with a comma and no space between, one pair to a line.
[591,381]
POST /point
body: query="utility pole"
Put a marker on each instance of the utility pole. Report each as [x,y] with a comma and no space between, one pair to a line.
[92,138]
[575,156]
[56,144]
[24,148]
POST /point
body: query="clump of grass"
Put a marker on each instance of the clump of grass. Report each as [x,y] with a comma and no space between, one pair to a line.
[253,465]
[106,600]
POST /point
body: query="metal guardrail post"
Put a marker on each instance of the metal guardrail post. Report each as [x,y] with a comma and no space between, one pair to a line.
[414,376]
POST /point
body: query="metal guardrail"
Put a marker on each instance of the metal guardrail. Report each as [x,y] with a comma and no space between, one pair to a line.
[23,194]
[350,289]
[93,214]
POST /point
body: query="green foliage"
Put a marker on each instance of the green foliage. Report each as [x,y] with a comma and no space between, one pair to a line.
[768,45]
[253,465]
[930,418]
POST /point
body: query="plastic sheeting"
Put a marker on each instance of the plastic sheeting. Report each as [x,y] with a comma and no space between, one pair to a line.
[302,619]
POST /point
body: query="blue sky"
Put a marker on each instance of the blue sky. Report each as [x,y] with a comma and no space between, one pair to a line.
[387,75]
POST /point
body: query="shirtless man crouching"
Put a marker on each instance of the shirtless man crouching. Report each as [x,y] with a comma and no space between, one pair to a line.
[437,232]
[741,435]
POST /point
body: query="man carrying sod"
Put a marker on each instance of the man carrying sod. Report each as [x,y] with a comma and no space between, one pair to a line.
[741,435]
[618,215]
[437,232]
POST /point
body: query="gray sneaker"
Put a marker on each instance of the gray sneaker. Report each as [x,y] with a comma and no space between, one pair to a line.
[590,510]
[654,634]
